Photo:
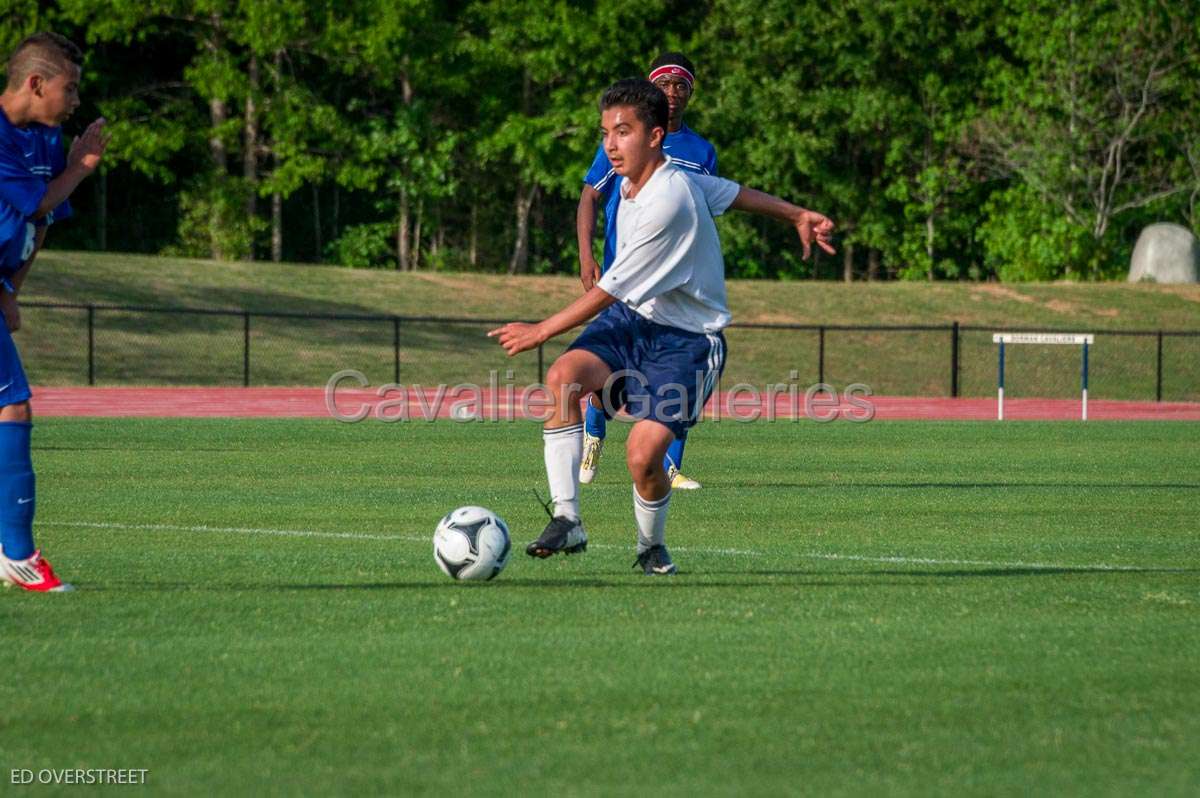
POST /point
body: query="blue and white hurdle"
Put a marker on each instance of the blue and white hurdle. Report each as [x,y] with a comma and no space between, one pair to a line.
[1084,339]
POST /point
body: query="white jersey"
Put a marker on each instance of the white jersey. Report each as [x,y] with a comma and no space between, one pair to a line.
[668,266]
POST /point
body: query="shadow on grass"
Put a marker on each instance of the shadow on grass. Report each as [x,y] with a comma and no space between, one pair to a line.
[984,573]
[679,581]
[774,579]
[962,485]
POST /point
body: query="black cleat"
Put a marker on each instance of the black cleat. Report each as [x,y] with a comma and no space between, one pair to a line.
[655,561]
[561,535]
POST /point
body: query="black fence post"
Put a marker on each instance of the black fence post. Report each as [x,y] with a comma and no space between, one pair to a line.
[396,347]
[954,360]
[821,354]
[1158,370]
[245,350]
[91,344]
[541,365]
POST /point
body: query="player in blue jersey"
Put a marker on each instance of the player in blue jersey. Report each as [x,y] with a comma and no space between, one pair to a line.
[657,342]
[36,179]
[675,75]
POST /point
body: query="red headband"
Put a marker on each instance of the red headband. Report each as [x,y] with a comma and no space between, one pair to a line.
[674,70]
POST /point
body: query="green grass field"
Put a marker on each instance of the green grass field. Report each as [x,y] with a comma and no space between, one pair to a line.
[140,348]
[885,608]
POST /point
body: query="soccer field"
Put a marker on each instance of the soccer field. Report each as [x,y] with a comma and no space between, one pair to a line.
[899,608]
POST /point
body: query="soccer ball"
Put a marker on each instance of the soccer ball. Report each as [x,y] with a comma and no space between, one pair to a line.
[471,543]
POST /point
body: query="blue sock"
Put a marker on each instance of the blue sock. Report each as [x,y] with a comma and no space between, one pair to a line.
[595,424]
[16,490]
[675,454]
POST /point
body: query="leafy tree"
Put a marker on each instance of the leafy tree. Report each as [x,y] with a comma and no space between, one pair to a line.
[1093,117]
[1026,140]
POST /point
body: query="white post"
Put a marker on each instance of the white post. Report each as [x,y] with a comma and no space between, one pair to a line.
[1000,385]
[1085,376]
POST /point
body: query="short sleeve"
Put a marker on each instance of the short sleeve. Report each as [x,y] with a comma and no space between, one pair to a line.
[718,192]
[601,176]
[710,164]
[20,188]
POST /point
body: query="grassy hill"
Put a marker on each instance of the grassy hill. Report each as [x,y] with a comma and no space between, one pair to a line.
[193,349]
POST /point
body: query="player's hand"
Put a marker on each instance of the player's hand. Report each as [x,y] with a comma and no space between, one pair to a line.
[589,273]
[88,149]
[517,337]
[11,310]
[813,226]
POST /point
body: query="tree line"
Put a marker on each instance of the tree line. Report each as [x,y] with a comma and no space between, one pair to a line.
[1023,140]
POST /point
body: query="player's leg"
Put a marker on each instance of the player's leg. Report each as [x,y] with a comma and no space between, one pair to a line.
[575,374]
[21,564]
[680,369]
[595,426]
[674,464]
[594,429]
[645,453]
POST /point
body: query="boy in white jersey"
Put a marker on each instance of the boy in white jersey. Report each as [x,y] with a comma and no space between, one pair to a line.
[662,352]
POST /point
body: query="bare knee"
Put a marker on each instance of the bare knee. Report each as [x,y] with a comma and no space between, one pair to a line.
[561,377]
[642,463]
[16,412]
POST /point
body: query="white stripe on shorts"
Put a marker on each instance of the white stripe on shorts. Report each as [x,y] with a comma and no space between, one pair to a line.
[716,356]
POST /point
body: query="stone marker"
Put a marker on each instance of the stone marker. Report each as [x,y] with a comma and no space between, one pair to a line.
[1165,253]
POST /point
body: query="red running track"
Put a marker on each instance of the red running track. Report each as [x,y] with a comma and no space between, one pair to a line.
[310,403]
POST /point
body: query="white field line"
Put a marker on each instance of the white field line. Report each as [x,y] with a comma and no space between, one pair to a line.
[812,555]
[1037,566]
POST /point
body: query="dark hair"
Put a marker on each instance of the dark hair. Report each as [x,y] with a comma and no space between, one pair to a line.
[647,101]
[678,59]
[45,53]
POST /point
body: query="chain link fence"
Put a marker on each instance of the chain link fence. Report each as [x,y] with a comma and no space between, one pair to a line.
[68,344]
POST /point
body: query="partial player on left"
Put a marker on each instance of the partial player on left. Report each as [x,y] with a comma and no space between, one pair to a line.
[36,181]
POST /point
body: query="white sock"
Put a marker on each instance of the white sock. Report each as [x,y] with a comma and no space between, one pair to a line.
[651,520]
[563,449]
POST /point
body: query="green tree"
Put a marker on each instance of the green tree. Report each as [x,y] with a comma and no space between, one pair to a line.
[856,109]
[545,65]
[1093,117]
[21,18]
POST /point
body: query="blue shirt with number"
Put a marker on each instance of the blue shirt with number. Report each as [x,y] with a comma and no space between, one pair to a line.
[687,148]
[30,157]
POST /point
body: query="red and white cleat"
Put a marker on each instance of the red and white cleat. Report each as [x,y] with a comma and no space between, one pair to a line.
[33,574]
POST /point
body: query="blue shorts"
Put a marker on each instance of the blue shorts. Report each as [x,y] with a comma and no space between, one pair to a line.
[14,387]
[661,373]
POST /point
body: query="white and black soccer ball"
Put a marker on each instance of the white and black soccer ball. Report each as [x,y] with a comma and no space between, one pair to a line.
[471,543]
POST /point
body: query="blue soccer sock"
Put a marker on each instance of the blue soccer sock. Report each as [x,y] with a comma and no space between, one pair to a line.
[16,490]
[595,424]
[675,454]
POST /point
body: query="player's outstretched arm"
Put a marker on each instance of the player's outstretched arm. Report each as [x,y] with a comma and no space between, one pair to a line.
[83,159]
[517,337]
[810,225]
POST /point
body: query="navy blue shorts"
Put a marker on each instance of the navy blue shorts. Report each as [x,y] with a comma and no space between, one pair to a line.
[14,387]
[661,373]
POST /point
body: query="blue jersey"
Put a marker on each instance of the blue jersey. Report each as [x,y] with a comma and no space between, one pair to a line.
[687,149]
[30,158]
